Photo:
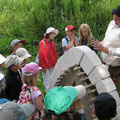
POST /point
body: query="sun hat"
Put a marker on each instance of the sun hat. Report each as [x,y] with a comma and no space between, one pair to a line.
[22,53]
[70,27]
[30,69]
[14,42]
[13,60]
[105,106]
[59,99]
[116,11]
[2,59]
[81,91]
[14,111]
[51,30]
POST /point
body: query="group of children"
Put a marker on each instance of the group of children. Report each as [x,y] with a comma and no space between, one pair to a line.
[47,55]
[19,83]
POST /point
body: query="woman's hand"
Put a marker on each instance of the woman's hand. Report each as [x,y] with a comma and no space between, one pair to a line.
[97,45]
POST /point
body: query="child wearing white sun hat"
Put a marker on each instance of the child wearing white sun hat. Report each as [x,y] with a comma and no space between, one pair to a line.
[47,55]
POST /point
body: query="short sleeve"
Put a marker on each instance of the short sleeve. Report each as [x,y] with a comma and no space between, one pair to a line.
[77,40]
[64,42]
[36,94]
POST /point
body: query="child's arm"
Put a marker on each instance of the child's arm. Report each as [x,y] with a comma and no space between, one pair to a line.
[76,43]
[40,103]
[69,46]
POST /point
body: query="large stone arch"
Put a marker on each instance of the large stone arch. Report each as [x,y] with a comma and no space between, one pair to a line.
[81,65]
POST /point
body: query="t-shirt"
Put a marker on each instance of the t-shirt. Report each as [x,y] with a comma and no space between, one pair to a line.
[30,95]
[35,93]
[67,43]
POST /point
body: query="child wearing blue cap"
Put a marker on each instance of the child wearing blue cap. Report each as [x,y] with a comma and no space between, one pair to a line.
[58,101]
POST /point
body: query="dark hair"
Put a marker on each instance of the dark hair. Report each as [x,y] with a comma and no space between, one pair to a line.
[47,36]
[63,116]
[105,106]
[106,119]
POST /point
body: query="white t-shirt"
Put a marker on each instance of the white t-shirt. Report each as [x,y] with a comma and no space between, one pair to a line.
[67,43]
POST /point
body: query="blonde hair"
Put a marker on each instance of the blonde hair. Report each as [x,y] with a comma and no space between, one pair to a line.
[30,80]
[89,37]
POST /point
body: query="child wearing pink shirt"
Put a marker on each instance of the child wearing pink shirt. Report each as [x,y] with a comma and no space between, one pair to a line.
[30,92]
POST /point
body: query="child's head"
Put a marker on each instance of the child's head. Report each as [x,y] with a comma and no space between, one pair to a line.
[58,100]
[2,60]
[13,62]
[14,111]
[69,30]
[51,33]
[30,74]
[23,53]
[85,32]
[15,44]
[105,106]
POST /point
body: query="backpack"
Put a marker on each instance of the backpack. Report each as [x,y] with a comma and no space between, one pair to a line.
[61,51]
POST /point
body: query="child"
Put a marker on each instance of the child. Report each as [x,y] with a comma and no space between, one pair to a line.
[47,54]
[13,111]
[30,92]
[58,101]
[70,40]
[85,36]
[15,44]
[22,53]
[105,107]
[13,78]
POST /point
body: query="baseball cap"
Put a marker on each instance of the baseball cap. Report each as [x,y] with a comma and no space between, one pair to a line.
[105,106]
[69,27]
[51,30]
[30,69]
[116,11]
[22,53]
[14,111]
[14,42]
[2,59]
[59,99]
[13,60]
